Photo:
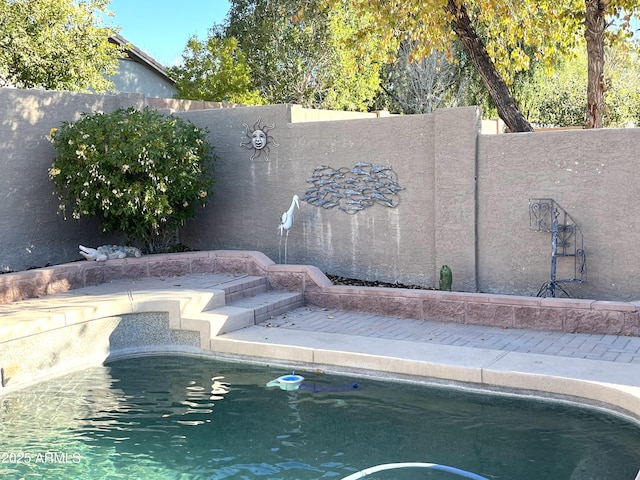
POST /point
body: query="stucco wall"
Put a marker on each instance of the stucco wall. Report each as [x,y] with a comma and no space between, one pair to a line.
[592,175]
[432,224]
[32,233]
[464,202]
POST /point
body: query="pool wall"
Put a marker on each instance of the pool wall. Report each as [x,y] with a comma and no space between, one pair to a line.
[77,346]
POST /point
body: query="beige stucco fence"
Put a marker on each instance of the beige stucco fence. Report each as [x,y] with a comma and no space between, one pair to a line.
[464,197]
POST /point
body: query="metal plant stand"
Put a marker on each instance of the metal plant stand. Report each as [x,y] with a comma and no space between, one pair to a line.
[545,215]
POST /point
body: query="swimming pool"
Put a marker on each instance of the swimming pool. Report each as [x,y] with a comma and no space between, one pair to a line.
[157,417]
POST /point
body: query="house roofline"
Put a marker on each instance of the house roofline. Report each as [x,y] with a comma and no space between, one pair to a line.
[136,54]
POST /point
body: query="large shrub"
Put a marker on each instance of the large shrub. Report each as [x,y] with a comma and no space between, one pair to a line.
[141,173]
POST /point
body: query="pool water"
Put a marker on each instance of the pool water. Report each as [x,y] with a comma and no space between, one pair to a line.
[158,418]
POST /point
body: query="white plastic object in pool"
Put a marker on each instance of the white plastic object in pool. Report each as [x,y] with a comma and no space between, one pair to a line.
[287,382]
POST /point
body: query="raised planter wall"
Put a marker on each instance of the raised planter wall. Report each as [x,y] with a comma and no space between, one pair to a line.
[505,311]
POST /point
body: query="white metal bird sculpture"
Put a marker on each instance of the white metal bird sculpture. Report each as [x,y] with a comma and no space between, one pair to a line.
[286,222]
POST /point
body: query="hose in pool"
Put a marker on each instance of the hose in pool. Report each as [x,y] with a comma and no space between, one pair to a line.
[433,466]
[315,388]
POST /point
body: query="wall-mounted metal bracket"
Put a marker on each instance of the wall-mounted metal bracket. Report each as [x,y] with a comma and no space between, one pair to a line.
[545,215]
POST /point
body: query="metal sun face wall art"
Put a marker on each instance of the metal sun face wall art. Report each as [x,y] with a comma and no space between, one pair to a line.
[353,189]
[258,139]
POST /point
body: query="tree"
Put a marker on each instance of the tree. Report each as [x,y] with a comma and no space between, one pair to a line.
[434,28]
[559,99]
[423,85]
[214,70]
[596,24]
[353,75]
[502,38]
[296,52]
[140,173]
[56,45]
[623,94]
[556,100]
[493,80]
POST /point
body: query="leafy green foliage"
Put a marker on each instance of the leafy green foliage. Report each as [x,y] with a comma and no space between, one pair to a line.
[215,70]
[140,173]
[513,35]
[558,99]
[353,74]
[623,95]
[56,45]
[297,54]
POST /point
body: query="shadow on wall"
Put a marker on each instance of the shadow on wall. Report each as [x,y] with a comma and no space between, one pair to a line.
[366,186]
[40,282]
[33,232]
[59,350]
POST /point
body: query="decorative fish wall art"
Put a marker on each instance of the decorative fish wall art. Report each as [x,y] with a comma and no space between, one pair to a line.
[353,189]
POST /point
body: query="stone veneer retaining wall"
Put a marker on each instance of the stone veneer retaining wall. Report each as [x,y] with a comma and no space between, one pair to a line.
[557,314]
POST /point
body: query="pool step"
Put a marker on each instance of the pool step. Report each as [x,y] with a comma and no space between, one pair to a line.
[247,302]
[209,304]
[243,287]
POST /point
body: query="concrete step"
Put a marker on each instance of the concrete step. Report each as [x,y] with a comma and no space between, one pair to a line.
[270,304]
[243,287]
[253,293]
[211,305]
[248,302]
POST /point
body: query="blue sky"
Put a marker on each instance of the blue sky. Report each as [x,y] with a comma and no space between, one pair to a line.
[161,28]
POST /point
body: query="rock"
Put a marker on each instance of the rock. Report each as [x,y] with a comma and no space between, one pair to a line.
[109,252]
[338,280]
